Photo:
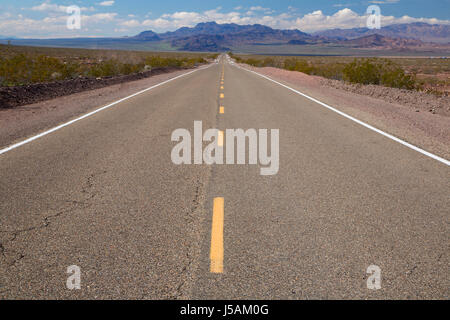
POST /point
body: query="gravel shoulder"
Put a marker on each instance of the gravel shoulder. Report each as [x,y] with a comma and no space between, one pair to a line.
[21,122]
[418,118]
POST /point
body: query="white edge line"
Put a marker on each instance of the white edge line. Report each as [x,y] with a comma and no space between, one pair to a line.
[19,144]
[368,126]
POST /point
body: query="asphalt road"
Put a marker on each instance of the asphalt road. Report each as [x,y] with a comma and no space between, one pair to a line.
[103,194]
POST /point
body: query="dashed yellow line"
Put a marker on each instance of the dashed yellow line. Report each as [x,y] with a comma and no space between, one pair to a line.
[216,253]
[220,140]
[222,109]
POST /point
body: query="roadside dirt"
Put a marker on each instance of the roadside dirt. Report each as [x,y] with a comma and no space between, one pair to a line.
[12,97]
[24,121]
[419,101]
[418,118]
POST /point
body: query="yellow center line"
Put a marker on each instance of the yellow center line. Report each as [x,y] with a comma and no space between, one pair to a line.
[216,253]
[221,87]
[222,96]
[222,110]
[220,140]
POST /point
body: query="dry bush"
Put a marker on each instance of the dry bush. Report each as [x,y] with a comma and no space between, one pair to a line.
[26,65]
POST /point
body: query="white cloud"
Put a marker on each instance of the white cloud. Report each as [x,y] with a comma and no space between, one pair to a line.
[259,8]
[347,18]
[314,21]
[47,6]
[384,1]
[130,23]
[107,3]
[54,24]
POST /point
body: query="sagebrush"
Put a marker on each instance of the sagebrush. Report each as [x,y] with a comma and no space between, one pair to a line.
[364,70]
[24,65]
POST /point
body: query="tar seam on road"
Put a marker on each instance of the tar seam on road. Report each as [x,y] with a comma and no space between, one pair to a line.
[19,144]
[368,126]
[216,253]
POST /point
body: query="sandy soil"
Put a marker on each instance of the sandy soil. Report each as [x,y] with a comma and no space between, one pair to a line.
[420,101]
[418,118]
[12,97]
[21,122]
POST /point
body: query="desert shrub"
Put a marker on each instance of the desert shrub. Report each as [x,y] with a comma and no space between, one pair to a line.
[366,71]
[106,68]
[268,62]
[396,78]
[235,57]
[129,68]
[159,62]
[21,69]
[20,66]
[298,65]
[380,72]
[376,71]
[213,56]
[253,62]
[14,70]
[328,70]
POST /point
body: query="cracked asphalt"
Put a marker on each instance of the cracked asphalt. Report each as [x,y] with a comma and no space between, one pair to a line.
[104,195]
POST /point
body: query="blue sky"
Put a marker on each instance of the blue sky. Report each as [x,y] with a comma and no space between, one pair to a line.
[47,18]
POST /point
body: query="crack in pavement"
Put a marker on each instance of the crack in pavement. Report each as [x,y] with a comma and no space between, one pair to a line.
[194,221]
[45,222]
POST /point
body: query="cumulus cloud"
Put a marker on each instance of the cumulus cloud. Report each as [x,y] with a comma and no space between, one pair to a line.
[47,6]
[53,25]
[314,21]
[347,18]
[107,3]
[130,23]
[384,1]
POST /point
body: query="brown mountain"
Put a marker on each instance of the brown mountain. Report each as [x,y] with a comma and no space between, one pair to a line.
[377,40]
[418,30]
[218,37]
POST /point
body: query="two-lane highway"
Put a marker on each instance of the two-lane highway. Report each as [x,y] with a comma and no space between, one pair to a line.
[103,194]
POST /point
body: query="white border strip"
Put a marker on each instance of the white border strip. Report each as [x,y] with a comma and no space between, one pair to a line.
[19,144]
[433,156]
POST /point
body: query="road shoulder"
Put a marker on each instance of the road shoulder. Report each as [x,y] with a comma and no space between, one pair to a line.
[21,122]
[426,130]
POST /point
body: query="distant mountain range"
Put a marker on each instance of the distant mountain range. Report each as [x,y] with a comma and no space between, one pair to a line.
[418,30]
[7,38]
[211,36]
[214,37]
[377,40]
